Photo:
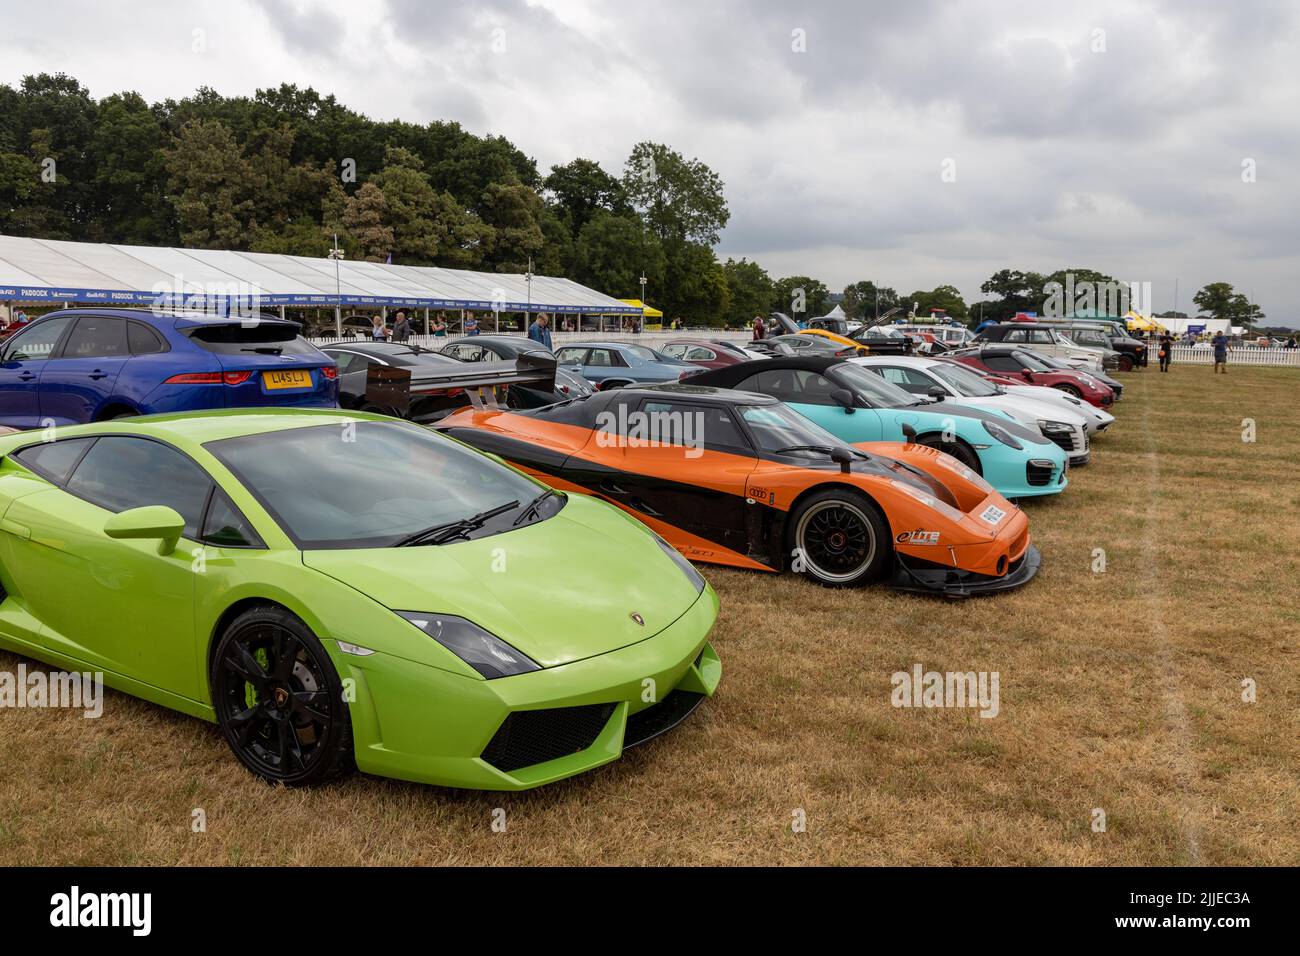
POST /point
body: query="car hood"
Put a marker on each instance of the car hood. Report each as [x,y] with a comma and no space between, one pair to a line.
[1028,411]
[1054,397]
[559,590]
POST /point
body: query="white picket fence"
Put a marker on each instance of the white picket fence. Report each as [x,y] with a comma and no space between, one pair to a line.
[1240,355]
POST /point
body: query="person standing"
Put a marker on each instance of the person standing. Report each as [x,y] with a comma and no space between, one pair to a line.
[377,331]
[471,323]
[440,326]
[1221,349]
[1166,352]
[758,327]
[539,332]
[401,328]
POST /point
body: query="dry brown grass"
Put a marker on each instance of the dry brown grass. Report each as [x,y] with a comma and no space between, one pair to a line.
[1119,691]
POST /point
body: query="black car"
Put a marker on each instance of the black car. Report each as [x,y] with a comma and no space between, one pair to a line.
[1132,353]
[416,383]
[495,348]
[881,343]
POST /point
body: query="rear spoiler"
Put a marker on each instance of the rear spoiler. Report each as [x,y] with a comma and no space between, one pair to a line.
[392,387]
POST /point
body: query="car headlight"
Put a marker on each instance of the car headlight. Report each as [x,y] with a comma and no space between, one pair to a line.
[1002,435]
[688,569]
[952,464]
[945,509]
[1055,428]
[481,650]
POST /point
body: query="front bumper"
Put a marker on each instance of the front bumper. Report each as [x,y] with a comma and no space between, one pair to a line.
[921,577]
[415,722]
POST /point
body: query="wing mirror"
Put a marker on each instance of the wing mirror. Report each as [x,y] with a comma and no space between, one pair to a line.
[937,393]
[153,521]
[1027,375]
[842,458]
[843,398]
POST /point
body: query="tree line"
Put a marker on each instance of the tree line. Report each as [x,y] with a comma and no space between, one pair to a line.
[286,170]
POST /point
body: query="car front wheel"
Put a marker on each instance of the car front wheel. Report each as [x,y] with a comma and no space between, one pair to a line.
[279,700]
[839,539]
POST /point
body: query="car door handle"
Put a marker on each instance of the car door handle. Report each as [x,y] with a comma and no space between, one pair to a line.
[16,529]
[97,374]
[26,376]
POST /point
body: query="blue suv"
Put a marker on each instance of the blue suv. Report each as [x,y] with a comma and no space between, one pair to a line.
[86,365]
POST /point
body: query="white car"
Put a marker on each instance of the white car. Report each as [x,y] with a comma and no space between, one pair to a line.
[949,381]
[1097,419]
[1053,342]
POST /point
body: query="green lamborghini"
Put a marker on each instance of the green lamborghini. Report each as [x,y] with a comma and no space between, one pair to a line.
[339,590]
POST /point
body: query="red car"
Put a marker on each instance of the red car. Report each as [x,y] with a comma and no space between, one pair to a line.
[704,353]
[1018,367]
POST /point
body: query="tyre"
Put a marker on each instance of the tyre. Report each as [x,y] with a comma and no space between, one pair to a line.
[1126,363]
[279,700]
[1069,390]
[839,538]
[959,450]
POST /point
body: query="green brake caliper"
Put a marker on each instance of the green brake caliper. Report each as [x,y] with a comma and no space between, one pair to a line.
[250,692]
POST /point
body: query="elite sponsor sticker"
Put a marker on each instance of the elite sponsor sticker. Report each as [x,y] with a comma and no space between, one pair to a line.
[993,514]
[917,537]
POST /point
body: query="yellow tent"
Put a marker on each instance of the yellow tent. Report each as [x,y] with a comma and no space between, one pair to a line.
[649,311]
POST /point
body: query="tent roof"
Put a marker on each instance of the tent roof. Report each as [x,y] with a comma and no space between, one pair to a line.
[58,271]
[649,311]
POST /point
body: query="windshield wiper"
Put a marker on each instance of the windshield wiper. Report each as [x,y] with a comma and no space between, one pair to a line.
[533,506]
[824,449]
[441,533]
[266,350]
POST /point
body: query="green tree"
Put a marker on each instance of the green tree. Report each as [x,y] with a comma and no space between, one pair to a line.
[681,200]
[511,215]
[945,297]
[695,286]
[800,297]
[1016,291]
[750,290]
[865,300]
[364,218]
[580,188]
[1216,299]
[210,184]
[613,252]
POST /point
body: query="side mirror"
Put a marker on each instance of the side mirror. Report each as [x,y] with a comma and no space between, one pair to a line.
[842,458]
[1027,375]
[843,398]
[153,521]
[909,433]
[937,393]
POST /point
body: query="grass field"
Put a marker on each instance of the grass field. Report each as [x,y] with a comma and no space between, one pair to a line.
[1120,691]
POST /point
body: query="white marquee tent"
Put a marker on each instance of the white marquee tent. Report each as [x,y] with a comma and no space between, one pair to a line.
[44,270]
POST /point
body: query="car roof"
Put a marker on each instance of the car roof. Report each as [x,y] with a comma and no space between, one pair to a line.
[914,361]
[188,430]
[179,318]
[707,394]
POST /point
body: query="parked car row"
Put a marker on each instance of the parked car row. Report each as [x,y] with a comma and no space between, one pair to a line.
[355,547]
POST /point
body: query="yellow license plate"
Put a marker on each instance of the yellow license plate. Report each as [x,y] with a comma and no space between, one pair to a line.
[288,378]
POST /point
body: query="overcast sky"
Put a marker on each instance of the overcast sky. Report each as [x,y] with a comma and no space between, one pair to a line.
[1103,135]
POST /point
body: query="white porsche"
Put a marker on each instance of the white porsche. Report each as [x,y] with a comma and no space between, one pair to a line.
[949,381]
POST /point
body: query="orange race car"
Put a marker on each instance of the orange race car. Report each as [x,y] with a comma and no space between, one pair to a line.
[740,479]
